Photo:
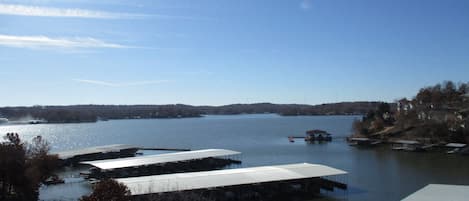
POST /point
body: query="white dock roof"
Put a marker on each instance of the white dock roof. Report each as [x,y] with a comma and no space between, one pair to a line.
[406,142]
[160,158]
[439,192]
[93,150]
[360,139]
[223,178]
[456,145]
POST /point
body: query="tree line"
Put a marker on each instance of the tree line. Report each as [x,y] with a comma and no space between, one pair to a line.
[93,113]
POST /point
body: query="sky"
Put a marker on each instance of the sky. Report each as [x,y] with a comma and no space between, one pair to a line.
[216,52]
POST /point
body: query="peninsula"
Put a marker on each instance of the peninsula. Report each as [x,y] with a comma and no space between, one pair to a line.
[436,115]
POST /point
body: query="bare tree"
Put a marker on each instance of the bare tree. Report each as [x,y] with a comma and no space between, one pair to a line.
[23,167]
[108,190]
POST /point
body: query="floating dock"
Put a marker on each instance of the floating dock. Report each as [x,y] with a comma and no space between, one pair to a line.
[241,183]
[199,160]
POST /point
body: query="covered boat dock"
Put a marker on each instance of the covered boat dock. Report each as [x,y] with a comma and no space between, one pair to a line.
[96,153]
[266,183]
[199,160]
[363,141]
[456,148]
[439,192]
[407,145]
[317,135]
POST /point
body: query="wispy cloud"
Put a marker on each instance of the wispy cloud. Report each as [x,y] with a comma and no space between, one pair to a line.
[122,84]
[15,9]
[306,4]
[41,11]
[47,42]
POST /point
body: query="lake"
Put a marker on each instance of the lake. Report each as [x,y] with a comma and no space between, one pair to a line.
[374,174]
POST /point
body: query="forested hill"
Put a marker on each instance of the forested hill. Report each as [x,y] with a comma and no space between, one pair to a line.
[437,114]
[92,113]
[344,108]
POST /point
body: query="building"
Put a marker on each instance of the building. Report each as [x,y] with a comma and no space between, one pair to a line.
[266,182]
[186,161]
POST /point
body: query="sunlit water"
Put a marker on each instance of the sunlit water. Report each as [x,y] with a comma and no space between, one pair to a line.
[374,174]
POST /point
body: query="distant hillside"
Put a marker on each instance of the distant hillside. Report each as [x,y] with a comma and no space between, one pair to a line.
[344,108]
[92,113]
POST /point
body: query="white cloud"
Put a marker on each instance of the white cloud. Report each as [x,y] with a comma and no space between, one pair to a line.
[41,11]
[14,9]
[306,4]
[123,84]
[47,42]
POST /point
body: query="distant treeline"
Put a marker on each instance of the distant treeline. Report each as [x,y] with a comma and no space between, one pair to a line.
[344,108]
[93,113]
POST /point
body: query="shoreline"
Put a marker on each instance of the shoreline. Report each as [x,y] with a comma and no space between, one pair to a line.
[184,117]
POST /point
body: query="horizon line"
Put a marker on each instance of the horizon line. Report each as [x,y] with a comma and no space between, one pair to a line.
[194,105]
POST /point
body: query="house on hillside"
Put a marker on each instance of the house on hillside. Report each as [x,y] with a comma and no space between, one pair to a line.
[423,116]
[404,105]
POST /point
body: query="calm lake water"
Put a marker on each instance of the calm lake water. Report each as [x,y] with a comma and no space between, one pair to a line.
[374,174]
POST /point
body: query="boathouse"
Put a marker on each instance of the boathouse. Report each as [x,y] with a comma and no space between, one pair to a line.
[317,135]
[199,160]
[439,192]
[72,157]
[362,141]
[456,148]
[407,145]
[266,183]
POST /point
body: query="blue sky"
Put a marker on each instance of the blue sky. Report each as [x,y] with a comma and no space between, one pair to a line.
[215,52]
